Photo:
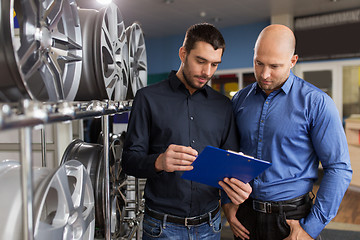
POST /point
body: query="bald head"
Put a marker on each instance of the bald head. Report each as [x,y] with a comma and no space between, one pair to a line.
[274,57]
[277,37]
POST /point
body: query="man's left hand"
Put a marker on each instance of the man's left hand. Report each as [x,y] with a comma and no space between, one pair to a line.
[296,231]
[236,190]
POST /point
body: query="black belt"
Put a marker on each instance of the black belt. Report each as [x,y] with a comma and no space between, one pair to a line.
[188,221]
[274,207]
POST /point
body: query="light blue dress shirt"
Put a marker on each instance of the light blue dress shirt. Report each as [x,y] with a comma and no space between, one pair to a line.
[295,128]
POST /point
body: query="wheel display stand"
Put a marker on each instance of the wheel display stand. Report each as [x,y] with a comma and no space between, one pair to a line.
[60,64]
[29,114]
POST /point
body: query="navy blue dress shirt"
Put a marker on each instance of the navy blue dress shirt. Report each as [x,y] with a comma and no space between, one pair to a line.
[165,113]
[295,128]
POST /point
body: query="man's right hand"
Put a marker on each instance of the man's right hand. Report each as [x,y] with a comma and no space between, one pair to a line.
[176,158]
[237,228]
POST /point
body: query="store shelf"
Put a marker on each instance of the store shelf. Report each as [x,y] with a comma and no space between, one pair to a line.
[27,114]
[31,113]
[66,77]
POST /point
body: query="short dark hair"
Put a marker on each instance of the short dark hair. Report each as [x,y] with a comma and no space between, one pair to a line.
[205,32]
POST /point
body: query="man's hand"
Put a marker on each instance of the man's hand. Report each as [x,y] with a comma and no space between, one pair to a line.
[296,231]
[236,190]
[237,228]
[176,158]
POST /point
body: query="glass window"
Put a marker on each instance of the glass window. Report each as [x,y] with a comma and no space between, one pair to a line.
[351,90]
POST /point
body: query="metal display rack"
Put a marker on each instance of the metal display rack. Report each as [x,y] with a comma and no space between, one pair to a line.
[63,58]
[28,114]
[31,113]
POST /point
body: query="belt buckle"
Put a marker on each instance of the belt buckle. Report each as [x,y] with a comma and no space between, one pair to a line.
[268,207]
[187,219]
[190,218]
[186,222]
[265,206]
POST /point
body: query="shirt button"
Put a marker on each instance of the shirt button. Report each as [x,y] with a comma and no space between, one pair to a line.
[192,141]
[262,121]
[191,118]
[267,102]
[260,140]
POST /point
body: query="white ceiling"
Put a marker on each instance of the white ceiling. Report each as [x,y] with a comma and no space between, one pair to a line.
[159,19]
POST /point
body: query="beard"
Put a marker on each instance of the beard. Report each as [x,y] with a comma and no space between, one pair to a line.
[274,84]
[190,81]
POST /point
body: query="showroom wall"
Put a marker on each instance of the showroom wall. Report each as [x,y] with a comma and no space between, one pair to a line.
[162,53]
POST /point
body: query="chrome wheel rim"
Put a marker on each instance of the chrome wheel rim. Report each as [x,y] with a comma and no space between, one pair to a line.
[114,49]
[64,205]
[11,220]
[118,186]
[92,156]
[46,62]
[137,59]
[105,69]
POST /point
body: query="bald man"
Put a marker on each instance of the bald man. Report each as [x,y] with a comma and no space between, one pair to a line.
[291,123]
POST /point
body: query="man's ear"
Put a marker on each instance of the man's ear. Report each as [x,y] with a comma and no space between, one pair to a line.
[182,54]
[294,60]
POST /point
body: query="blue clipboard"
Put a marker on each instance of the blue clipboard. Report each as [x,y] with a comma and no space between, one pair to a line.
[214,164]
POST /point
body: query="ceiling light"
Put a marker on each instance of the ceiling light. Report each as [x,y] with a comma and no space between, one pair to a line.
[104,2]
[169,1]
[216,19]
[202,14]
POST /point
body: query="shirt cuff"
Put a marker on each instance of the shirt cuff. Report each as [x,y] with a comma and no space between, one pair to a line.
[312,225]
[149,167]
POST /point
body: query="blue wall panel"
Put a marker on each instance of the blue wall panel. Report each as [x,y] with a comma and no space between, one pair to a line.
[162,53]
[240,41]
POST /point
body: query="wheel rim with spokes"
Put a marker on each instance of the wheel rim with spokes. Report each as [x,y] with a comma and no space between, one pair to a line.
[137,59]
[91,155]
[64,204]
[11,220]
[45,63]
[106,65]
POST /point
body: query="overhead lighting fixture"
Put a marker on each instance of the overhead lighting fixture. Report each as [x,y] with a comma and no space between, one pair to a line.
[202,14]
[216,19]
[169,1]
[104,2]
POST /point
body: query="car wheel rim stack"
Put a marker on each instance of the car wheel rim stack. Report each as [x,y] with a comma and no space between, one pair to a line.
[64,204]
[91,155]
[106,58]
[137,59]
[44,62]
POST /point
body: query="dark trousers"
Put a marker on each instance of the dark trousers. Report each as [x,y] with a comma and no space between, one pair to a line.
[271,226]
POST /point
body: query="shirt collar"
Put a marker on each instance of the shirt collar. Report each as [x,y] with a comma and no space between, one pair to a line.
[288,83]
[176,83]
[285,87]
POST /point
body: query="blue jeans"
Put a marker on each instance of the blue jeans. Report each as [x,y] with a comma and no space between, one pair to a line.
[159,229]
